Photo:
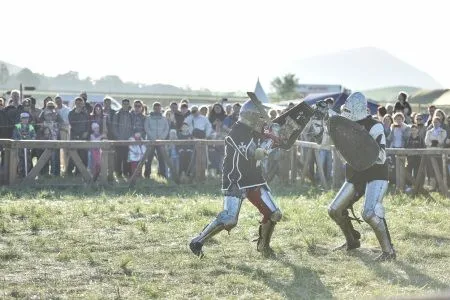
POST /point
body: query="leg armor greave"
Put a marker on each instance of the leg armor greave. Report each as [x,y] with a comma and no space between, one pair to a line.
[226,219]
[338,211]
[263,200]
[373,214]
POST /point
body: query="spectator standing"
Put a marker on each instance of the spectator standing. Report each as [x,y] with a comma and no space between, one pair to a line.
[325,156]
[123,130]
[381,112]
[46,100]
[185,152]
[13,111]
[157,128]
[387,123]
[399,132]
[431,110]
[34,111]
[441,115]
[176,117]
[138,118]
[390,109]
[79,131]
[49,130]
[435,138]
[419,120]
[216,153]
[199,125]
[109,114]
[64,128]
[95,153]
[231,119]
[24,131]
[403,106]
[184,110]
[414,142]
[86,105]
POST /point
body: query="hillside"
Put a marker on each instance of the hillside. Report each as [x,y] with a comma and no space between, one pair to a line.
[361,68]
[389,94]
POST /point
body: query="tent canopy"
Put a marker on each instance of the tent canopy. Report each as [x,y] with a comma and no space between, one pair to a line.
[339,99]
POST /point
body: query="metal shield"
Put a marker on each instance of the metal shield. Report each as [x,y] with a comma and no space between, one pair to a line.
[292,123]
[354,142]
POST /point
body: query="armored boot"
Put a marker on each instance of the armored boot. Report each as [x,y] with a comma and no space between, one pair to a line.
[226,219]
[210,230]
[265,234]
[384,238]
[352,236]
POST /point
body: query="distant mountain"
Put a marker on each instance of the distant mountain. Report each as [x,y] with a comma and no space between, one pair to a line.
[361,68]
[71,81]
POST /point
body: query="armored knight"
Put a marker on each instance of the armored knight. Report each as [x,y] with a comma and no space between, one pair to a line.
[245,146]
[372,182]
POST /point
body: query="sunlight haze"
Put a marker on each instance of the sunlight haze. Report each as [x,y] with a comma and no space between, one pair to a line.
[222,46]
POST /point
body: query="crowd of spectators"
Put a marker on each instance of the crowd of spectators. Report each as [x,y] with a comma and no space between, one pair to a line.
[133,121]
[403,127]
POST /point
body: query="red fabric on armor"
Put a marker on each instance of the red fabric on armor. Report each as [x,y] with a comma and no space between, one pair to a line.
[254,196]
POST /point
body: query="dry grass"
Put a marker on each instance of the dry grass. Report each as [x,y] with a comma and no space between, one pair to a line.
[126,244]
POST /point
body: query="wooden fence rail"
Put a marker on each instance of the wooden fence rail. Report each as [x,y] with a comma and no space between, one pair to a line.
[304,152]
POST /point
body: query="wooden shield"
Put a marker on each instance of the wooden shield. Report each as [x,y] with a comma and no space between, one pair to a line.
[354,142]
[292,123]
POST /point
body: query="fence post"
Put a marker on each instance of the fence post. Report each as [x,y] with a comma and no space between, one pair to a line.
[444,174]
[200,163]
[105,149]
[399,173]
[12,164]
[5,162]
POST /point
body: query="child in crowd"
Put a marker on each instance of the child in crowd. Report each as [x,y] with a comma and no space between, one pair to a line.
[136,152]
[185,153]
[173,154]
[95,153]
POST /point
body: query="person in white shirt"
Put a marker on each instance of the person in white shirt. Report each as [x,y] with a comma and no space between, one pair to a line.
[199,125]
[64,127]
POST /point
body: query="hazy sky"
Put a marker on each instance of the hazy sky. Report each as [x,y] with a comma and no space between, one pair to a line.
[220,45]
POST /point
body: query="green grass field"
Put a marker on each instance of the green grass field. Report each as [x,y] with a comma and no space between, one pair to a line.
[132,244]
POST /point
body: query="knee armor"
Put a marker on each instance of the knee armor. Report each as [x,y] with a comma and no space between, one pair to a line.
[341,202]
[266,197]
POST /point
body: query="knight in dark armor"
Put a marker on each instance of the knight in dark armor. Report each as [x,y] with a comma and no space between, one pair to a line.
[371,182]
[245,146]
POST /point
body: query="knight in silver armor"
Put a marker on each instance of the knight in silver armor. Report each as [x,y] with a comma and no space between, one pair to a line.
[245,146]
[372,183]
